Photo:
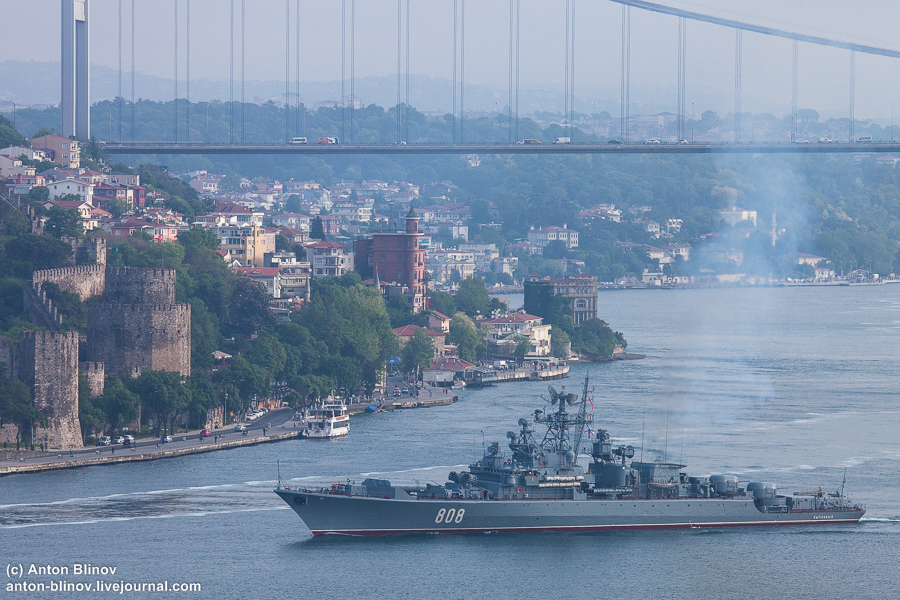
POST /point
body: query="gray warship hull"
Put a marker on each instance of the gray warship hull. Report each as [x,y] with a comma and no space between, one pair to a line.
[327,513]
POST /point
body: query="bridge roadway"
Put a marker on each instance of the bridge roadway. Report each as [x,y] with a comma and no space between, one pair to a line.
[404,149]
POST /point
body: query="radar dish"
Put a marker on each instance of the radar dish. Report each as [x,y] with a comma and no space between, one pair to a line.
[523,422]
[554,395]
[629,451]
[511,435]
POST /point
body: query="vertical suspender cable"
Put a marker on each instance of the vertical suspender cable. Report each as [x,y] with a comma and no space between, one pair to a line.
[175,104]
[298,76]
[399,67]
[231,80]
[680,110]
[243,62]
[352,68]
[455,38]
[795,77]
[132,70]
[510,94]
[572,80]
[683,52]
[622,99]
[738,60]
[119,96]
[518,6]
[187,42]
[406,103]
[566,69]
[627,70]
[287,71]
[462,72]
[852,96]
[343,64]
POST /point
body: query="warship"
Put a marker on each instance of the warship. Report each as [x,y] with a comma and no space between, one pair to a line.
[539,486]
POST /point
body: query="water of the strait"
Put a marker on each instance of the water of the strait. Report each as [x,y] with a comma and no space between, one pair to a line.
[786,385]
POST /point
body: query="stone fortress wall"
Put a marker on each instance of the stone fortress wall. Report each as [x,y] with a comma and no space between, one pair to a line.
[148,336]
[132,285]
[47,361]
[134,325]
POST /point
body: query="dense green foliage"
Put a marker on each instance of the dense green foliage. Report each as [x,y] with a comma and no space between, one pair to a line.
[417,353]
[595,340]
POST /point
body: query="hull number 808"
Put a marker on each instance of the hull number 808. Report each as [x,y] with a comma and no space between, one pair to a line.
[450,515]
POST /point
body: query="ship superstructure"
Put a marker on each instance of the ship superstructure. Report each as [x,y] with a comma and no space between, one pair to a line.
[539,486]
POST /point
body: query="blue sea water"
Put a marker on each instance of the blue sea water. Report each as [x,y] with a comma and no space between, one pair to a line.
[790,385]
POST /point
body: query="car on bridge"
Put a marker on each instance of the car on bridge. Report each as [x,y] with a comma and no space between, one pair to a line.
[528,141]
[327,141]
[301,141]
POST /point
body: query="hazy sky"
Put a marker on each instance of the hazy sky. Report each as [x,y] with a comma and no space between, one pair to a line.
[824,72]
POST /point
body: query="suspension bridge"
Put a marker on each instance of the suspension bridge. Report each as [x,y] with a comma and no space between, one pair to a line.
[76,71]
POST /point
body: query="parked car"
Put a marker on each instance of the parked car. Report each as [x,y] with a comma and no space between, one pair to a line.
[119,440]
[240,428]
[104,441]
[205,433]
[166,439]
[128,440]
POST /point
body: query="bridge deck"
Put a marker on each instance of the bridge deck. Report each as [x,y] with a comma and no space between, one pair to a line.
[316,149]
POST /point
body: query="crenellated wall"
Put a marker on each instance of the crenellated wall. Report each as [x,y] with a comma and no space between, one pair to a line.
[87,281]
[132,285]
[47,362]
[39,308]
[148,336]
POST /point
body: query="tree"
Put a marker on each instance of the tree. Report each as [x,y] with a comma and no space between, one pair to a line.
[249,310]
[442,302]
[317,229]
[465,336]
[268,353]
[560,343]
[64,222]
[8,135]
[417,353]
[39,194]
[245,380]
[523,347]
[293,204]
[91,417]
[555,249]
[118,404]
[163,394]
[595,339]
[17,408]
[472,297]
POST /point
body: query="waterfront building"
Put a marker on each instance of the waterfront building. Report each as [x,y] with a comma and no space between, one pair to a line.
[578,291]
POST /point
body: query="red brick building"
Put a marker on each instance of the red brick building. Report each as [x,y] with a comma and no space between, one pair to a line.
[396,257]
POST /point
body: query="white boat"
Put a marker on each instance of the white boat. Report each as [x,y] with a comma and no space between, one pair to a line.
[327,419]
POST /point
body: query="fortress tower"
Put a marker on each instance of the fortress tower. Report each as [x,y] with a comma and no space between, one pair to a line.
[138,324]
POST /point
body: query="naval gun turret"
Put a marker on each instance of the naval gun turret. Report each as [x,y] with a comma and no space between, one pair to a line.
[608,466]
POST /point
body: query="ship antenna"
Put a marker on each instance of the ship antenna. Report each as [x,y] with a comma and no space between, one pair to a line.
[681,460]
[643,423]
[666,447]
[843,482]
[483,443]
[280,482]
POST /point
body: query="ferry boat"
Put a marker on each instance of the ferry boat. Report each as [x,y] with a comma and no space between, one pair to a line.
[327,419]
